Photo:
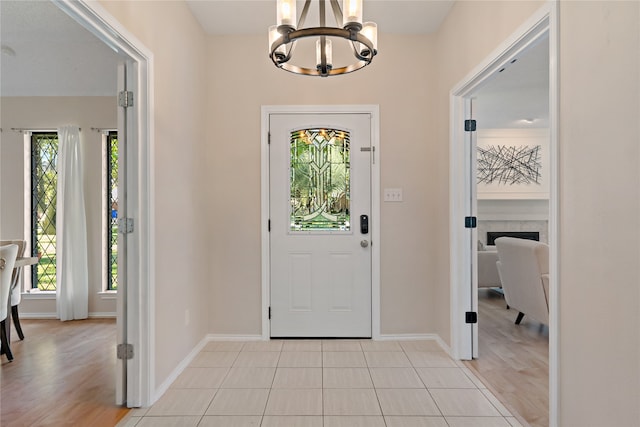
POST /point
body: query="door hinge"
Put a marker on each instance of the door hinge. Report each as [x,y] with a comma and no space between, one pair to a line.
[125,225]
[269,138]
[269,313]
[125,351]
[470,222]
[125,99]
[269,225]
[471,317]
[470,125]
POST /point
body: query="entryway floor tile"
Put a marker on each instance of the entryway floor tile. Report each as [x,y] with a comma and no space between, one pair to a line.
[230,421]
[298,378]
[343,359]
[324,383]
[463,402]
[242,401]
[294,402]
[407,402]
[394,421]
[351,402]
[346,378]
[249,378]
[180,402]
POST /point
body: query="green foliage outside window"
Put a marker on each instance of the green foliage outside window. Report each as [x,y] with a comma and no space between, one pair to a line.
[44,191]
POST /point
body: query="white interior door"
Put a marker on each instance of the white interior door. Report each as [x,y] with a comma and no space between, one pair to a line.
[121,320]
[320,208]
[472,208]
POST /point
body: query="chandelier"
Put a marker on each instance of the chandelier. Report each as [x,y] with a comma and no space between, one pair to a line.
[362,38]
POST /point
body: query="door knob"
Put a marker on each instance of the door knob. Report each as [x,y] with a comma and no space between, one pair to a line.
[364,243]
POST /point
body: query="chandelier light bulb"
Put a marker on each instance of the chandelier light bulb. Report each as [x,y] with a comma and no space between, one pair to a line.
[327,65]
[352,14]
[281,51]
[286,11]
[370,31]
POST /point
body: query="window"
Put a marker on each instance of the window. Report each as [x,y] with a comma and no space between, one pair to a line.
[111,211]
[319,180]
[43,153]
[44,190]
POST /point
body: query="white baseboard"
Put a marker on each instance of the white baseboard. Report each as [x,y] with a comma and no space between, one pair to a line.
[95,315]
[38,315]
[178,370]
[197,349]
[103,315]
[417,337]
[225,337]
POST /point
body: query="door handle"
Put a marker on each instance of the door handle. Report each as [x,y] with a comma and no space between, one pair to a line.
[364,243]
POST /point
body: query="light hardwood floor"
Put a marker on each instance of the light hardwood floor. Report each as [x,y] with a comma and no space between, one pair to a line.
[513,359]
[62,375]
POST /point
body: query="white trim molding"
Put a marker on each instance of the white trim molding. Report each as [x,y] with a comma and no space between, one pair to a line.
[417,337]
[52,315]
[175,373]
[223,337]
[374,111]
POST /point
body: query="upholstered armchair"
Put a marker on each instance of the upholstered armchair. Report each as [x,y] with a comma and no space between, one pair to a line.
[488,276]
[524,272]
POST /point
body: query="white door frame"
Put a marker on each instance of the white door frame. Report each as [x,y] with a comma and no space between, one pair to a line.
[374,226]
[543,21]
[140,194]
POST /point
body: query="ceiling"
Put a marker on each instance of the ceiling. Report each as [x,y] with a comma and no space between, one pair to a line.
[254,17]
[518,96]
[55,56]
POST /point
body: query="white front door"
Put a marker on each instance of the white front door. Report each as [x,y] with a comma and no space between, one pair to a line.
[320,219]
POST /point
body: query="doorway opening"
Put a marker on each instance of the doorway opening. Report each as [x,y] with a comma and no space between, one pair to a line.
[134,378]
[540,28]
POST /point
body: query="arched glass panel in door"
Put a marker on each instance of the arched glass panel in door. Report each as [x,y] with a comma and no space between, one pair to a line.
[320,180]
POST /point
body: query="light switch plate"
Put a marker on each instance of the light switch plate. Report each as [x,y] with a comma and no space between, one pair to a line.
[393,194]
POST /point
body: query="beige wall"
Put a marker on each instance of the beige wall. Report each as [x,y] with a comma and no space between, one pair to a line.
[244,79]
[183,253]
[599,191]
[50,113]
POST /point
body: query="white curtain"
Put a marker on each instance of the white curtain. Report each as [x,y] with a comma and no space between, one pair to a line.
[71,229]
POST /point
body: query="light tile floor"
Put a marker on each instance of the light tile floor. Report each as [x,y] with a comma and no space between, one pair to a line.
[324,383]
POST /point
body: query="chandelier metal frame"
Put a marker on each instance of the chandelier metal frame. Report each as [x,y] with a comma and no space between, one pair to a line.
[350,32]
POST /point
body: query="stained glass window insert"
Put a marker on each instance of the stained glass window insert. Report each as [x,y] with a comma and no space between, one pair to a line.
[319,180]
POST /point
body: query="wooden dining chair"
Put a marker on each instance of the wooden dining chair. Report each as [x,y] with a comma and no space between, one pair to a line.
[8,256]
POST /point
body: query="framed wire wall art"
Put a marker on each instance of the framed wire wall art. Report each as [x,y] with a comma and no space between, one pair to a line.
[513,165]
